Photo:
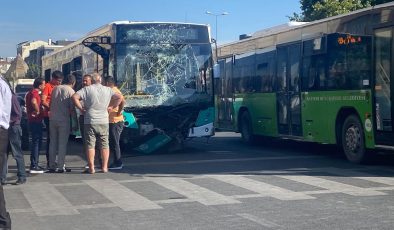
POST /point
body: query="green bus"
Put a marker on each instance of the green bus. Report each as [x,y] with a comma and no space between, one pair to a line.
[327,81]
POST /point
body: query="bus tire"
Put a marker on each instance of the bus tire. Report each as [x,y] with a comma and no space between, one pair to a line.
[353,143]
[247,129]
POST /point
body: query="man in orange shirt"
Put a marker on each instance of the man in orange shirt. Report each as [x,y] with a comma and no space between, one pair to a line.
[57,78]
[116,125]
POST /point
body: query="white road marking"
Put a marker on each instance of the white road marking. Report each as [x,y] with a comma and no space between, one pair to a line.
[20,210]
[359,175]
[123,197]
[332,186]
[90,206]
[261,187]
[221,160]
[173,201]
[46,200]
[258,220]
[194,192]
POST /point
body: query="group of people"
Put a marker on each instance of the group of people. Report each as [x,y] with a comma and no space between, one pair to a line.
[99,103]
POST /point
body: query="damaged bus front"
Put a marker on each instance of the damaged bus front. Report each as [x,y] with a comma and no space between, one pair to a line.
[165,72]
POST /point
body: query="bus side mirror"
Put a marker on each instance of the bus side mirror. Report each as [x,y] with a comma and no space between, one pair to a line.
[216,71]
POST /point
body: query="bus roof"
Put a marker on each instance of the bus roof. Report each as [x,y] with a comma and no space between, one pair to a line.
[296,25]
[107,27]
[293,32]
[125,22]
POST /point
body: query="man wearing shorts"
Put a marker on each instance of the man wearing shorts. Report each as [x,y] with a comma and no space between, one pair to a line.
[97,101]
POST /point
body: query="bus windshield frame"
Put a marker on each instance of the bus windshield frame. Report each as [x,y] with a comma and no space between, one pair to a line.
[163,64]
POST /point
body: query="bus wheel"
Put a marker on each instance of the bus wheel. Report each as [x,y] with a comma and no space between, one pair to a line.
[246,129]
[353,140]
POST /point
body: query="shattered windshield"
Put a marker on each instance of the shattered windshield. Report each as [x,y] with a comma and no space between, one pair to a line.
[163,65]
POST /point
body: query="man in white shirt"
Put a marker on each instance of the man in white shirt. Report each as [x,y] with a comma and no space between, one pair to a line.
[97,101]
[5,113]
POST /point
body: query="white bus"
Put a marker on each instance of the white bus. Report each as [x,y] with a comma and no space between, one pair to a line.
[163,69]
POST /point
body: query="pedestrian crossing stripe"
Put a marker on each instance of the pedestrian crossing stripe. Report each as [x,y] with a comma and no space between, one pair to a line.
[46,200]
[332,186]
[123,197]
[261,187]
[194,192]
[359,175]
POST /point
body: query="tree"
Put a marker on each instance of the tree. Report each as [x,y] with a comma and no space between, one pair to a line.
[329,8]
[34,71]
[319,9]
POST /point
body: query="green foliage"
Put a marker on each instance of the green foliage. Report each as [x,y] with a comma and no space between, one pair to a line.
[329,8]
[34,71]
[319,9]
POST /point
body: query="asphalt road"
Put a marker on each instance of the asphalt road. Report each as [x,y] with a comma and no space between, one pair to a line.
[216,183]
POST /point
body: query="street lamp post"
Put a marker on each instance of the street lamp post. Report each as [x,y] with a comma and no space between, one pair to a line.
[216,27]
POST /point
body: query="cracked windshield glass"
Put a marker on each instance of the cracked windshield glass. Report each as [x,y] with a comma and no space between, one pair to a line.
[162,65]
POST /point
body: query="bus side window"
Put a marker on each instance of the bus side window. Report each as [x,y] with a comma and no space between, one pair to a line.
[320,72]
[313,73]
[307,74]
[337,77]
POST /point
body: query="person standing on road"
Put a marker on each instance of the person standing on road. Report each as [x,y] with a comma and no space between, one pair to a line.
[86,81]
[5,113]
[59,125]
[97,100]
[34,117]
[57,78]
[15,135]
[116,125]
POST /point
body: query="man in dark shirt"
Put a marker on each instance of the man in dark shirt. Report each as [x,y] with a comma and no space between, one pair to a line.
[15,134]
[34,116]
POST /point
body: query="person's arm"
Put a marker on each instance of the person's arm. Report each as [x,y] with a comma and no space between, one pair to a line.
[116,99]
[16,107]
[36,107]
[75,98]
[44,97]
[121,106]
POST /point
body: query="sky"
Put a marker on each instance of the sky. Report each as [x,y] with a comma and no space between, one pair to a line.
[71,19]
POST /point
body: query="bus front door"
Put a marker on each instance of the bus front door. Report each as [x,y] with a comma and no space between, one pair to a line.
[384,87]
[226,96]
[288,92]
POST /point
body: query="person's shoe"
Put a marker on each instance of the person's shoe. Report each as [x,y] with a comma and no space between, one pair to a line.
[115,166]
[20,181]
[36,170]
[3,183]
[50,171]
[60,171]
[66,169]
[41,168]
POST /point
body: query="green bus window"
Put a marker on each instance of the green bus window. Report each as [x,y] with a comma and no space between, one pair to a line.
[349,59]
[313,73]
[265,70]
[243,74]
